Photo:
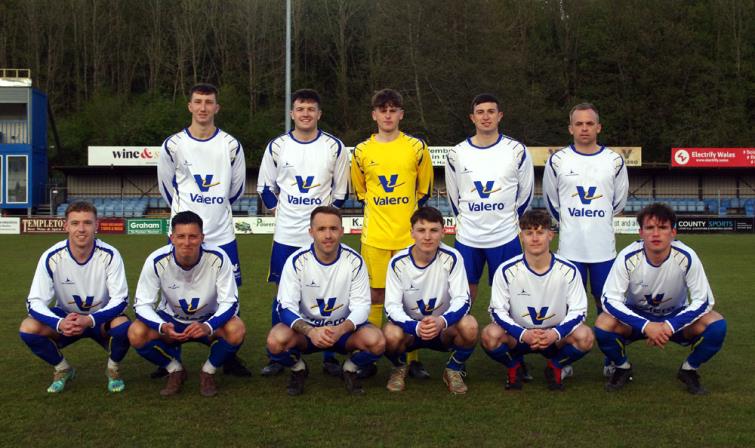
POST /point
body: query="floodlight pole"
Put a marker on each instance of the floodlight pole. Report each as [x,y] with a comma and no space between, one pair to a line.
[288,66]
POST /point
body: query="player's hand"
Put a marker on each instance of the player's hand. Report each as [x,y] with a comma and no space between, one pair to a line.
[82,322]
[195,330]
[340,330]
[170,331]
[430,327]
[547,338]
[658,334]
[531,337]
[68,327]
[322,337]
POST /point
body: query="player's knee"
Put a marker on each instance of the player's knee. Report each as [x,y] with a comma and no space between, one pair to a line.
[235,331]
[118,321]
[468,329]
[492,337]
[277,339]
[393,336]
[138,334]
[606,322]
[584,339]
[374,341]
[30,326]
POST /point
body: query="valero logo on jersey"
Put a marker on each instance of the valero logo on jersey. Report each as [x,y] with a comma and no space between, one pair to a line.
[204,184]
[389,184]
[304,184]
[586,196]
[85,303]
[484,191]
[327,306]
[427,308]
[656,300]
[190,308]
[538,316]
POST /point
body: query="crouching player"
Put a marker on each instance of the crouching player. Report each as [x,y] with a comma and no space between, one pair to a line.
[86,278]
[199,303]
[538,304]
[324,301]
[427,301]
[657,290]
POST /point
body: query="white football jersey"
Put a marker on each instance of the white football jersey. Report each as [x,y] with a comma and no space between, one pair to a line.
[676,292]
[438,289]
[523,299]
[324,294]
[583,192]
[96,287]
[303,175]
[205,177]
[489,188]
[206,292]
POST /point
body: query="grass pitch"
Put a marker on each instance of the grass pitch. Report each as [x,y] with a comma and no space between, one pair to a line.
[652,411]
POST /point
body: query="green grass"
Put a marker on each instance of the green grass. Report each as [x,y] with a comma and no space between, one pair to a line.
[653,410]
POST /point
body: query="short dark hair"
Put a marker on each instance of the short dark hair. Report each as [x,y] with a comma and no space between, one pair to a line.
[325,209]
[428,214]
[186,217]
[306,95]
[386,98]
[204,89]
[81,206]
[535,219]
[585,106]
[661,212]
[485,98]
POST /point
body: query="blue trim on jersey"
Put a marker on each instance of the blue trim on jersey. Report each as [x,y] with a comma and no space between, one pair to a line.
[68,248]
[337,140]
[632,254]
[157,260]
[550,268]
[167,194]
[104,249]
[506,266]
[47,261]
[411,257]
[221,319]
[165,147]
[524,157]
[238,148]
[409,326]
[338,203]
[210,251]
[469,140]
[686,254]
[637,323]
[648,259]
[359,257]
[552,209]
[47,320]
[269,198]
[522,208]
[217,130]
[550,162]
[688,315]
[314,254]
[399,257]
[453,255]
[452,317]
[150,323]
[173,253]
[450,165]
[296,257]
[291,134]
[233,198]
[585,154]
[570,265]
[102,316]
[564,328]
[622,166]
[514,330]
[287,316]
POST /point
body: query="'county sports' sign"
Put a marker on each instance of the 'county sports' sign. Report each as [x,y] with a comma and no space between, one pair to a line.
[123,155]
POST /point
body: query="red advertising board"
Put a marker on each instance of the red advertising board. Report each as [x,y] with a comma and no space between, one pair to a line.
[713,157]
[111,225]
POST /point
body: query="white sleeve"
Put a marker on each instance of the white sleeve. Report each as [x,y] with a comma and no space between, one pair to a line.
[238,172]
[620,188]
[341,174]
[289,294]
[526,179]
[700,296]
[166,171]
[614,296]
[41,293]
[145,298]
[359,297]
[227,296]
[550,189]
[394,303]
[458,289]
[452,188]
[117,289]
[267,186]
[576,301]
[500,306]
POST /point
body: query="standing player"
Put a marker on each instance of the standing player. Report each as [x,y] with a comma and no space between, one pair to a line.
[391,172]
[489,179]
[300,170]
[538,304]
[427,301]
[584,186]
[86,278]
[324,304]
[202,169]
[657,290]
[199,303]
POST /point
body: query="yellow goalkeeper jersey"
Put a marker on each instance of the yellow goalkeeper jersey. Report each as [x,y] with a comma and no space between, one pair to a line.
[391,179]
